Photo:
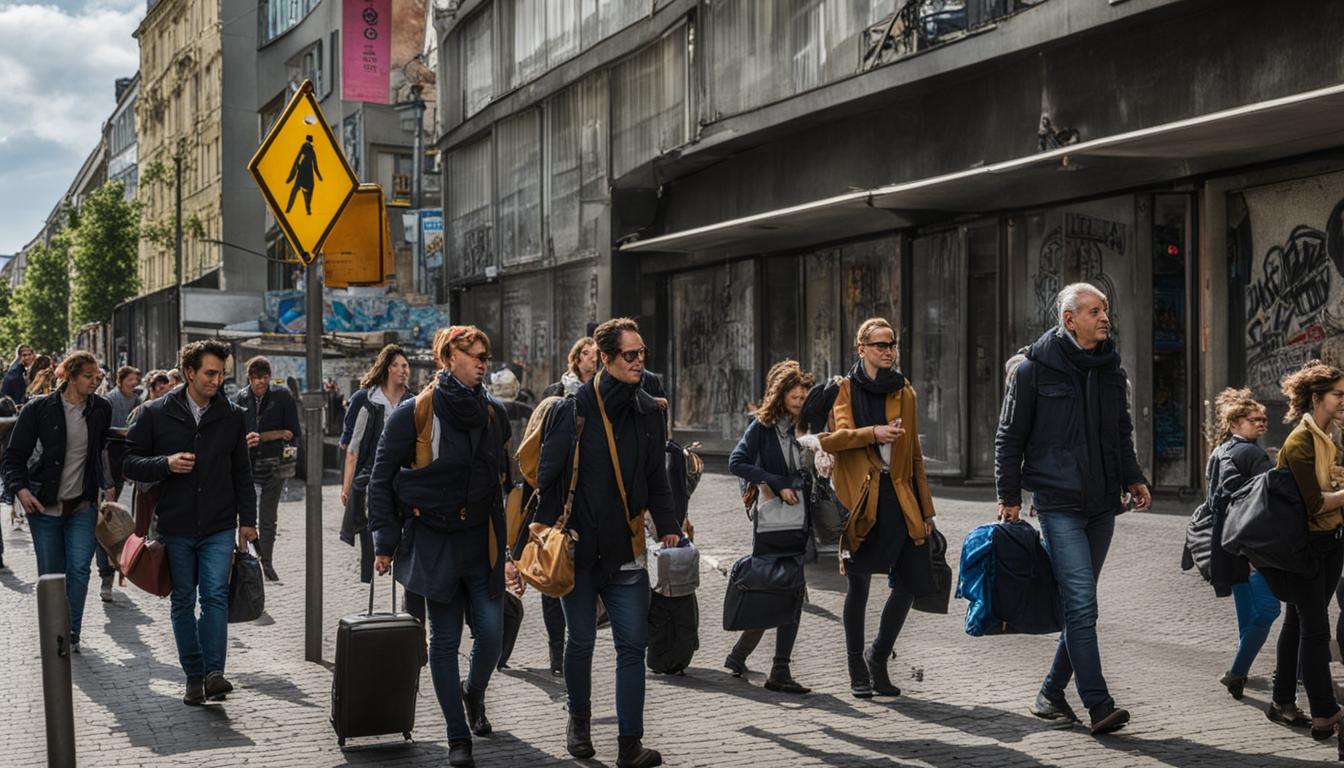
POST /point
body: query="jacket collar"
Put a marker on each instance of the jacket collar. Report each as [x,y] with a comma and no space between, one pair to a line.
[175,403]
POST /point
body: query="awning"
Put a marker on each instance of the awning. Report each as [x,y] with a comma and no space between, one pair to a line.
[1268,130]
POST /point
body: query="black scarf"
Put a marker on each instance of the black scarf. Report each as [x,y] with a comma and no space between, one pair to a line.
[617,396]
[868,397]
[462,407]
[1090,363]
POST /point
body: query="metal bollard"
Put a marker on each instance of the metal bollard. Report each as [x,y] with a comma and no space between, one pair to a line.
[53,629]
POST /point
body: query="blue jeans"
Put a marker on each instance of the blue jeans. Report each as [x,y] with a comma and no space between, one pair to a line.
[628,608]
[1077,545]
[445,637]
[200,565]
[1257,608]
[65,545]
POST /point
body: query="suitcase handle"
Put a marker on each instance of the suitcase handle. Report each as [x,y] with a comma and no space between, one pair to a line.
[374,580]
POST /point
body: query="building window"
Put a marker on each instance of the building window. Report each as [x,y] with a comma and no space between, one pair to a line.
[518,141]
[713,351]
[528,342]
[477,63]
[650,108]
[576,153]
[276,17]
[307,65]
[471,210]
[523,40]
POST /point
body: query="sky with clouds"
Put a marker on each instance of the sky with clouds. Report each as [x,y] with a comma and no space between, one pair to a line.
[60,62]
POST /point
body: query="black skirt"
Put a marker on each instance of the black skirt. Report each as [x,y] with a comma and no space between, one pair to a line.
[888,548]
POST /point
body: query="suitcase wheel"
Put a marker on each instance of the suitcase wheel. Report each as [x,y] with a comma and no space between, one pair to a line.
[340,741]
[406,735]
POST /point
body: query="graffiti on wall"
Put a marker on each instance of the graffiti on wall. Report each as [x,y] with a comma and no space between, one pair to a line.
[713,313]
[356,314]
[1287,315]
[1077,250]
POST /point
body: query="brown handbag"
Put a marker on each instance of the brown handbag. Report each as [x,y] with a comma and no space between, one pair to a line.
[114,526]
[145,562]
[547,559]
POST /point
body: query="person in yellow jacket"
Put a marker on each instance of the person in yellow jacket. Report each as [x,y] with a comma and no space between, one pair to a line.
[879,477]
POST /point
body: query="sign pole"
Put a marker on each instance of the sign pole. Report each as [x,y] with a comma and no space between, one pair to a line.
[312,428]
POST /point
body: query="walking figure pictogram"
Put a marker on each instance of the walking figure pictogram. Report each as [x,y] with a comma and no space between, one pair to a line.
[302,173]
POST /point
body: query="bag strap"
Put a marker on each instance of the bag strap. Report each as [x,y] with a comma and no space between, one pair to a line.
[573,475]
[424,427]
[611,445]
[145,501]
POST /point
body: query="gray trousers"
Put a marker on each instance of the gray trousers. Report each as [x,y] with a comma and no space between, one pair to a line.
[268,504]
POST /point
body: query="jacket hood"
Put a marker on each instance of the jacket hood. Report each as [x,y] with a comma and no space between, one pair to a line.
[1052,351]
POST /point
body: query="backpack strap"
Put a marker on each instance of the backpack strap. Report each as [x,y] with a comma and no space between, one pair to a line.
[611,447]
[424,428]
[573,475]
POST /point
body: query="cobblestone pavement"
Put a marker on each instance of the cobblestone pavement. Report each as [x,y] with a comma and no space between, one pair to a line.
[1165,641]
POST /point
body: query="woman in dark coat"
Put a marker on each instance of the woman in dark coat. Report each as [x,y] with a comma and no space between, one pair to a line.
[769,458]
[1237,459]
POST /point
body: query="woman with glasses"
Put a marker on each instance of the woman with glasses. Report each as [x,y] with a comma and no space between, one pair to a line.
[879,477]
[1237,459]
[770,458]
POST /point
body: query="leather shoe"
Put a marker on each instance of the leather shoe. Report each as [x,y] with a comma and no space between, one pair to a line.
[195,695]
[459,754]
[633,754]
[217,687]
[578,737]
[1057,711]
[1107,718]
[475,706]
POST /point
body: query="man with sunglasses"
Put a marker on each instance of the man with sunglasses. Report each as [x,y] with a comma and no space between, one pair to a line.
[438,511]
[1066,434]
[619,432]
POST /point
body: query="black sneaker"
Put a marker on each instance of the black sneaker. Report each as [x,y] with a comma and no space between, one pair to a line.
[1107,718]
[1055,711]
[195,695]
[1235,684]
[459,754]
[736,666]
[217,687]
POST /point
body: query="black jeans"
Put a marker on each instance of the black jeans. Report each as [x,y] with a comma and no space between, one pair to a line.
[1304,639]
[268,506]
[893,616]
[785,636]
[554,615]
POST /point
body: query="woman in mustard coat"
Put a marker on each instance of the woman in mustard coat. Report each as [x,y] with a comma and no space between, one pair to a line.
[879,477]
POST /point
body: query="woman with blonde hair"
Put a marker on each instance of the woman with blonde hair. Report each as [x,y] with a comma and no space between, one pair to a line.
[1241,421]
[770,459]
[41,377]
[879,477]
[1315,401]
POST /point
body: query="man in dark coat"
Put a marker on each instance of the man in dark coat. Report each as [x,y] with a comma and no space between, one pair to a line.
[618,416]
[1066,435]
[194,444]
[273,417]
[15,386]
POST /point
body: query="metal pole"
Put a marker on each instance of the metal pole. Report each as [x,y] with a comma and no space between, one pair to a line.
[177,244]
[417,171]
[312,425]
[53,634]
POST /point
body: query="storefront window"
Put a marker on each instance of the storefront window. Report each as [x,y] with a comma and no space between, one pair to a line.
[713,351]
[519,143]
[575,308]
[471,210]
[937,338]
[527,345]
[823,347]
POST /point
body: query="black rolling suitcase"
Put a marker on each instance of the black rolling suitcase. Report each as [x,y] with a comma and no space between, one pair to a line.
[377,674]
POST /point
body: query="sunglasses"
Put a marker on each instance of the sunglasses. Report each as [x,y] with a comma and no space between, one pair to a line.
[483,358]
[1258,419]
[880,346]
[631,355]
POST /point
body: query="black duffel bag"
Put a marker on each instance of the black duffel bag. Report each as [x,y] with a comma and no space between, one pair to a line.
[764,591]
[1199,544]
[1266,523]
[937,600]
[247,590]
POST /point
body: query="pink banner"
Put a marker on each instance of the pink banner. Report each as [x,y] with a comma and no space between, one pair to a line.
[366,50]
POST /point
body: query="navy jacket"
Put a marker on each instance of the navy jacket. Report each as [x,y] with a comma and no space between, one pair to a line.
[759,459]
[43,422]
[357,401]
[278,411]
[641,445]
[428,562]
[1042,443]
[1230,466]
[215,496]
[14,386]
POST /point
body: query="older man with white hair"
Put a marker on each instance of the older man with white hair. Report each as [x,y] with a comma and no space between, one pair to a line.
[1066,435]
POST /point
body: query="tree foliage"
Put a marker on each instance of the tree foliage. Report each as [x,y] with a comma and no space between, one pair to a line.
[104,255]
[9,324]
[42,301]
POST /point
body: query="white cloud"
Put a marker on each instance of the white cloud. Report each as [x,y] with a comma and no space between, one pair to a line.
[60,64]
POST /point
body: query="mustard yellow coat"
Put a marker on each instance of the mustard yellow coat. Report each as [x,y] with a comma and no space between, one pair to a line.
[858,465]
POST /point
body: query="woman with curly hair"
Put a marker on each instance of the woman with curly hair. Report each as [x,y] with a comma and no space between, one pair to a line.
[1241,422]
[41,377]
[769,458]
[1316,402]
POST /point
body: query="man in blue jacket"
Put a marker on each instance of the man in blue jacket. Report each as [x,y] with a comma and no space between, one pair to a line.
[1066,435]
[15,386]
[194,444]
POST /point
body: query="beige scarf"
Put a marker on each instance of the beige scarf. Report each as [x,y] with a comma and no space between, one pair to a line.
[1325,453]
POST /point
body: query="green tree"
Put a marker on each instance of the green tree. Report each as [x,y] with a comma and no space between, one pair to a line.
[104,255]
[42,302]
[9,325]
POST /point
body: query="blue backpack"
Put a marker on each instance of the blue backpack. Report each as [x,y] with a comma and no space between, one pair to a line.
[1006,576]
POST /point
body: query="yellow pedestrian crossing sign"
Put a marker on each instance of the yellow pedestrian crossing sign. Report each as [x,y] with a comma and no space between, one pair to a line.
[303,174]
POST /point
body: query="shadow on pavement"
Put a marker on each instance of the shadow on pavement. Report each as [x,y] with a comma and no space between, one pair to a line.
[990,722]
[552,686]
[936,753]
[713,681]
[276,687]
[922,750]
[9,581]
